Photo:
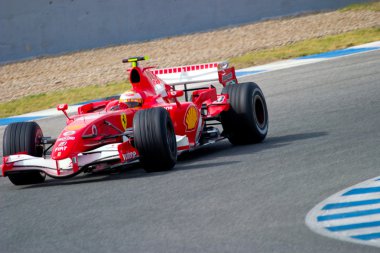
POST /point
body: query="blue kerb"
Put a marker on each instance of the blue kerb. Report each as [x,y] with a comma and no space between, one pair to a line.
[8,121]
[337,53]
[351,204]
[246,73]
[354,226]
[367,237]
[347,215]
[357,191]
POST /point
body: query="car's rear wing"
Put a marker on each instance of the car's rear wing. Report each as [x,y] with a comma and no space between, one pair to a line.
[208,72]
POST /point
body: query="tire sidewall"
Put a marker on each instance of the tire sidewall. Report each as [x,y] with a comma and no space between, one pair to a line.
[24,137]
[247,119]
[154,138]
[257,97]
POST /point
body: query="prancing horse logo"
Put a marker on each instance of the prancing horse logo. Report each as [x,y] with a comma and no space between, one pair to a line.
[124,121]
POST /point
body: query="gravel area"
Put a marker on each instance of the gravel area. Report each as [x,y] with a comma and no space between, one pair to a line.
[101,66]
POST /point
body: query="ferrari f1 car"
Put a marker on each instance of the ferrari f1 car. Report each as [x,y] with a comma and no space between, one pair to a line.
[108,134]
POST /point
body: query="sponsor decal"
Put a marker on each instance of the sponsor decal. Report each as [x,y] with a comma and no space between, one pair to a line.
[68,133]
[155,80]
[62,144]
[58,149]
[129,155]
[123,118]
[67,138]
[191,118]
[168,108]
[227,77]
[75,127]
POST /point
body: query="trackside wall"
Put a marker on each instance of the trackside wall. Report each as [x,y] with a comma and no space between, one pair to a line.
[31,28]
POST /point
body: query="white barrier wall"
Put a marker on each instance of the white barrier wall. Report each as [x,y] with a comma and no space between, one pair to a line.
[44,27]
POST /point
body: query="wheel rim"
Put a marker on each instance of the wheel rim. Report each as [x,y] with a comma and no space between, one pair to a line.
[259,112]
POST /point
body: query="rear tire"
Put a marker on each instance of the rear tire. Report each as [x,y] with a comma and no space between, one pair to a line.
[155,139]
[246,121]
[24,137]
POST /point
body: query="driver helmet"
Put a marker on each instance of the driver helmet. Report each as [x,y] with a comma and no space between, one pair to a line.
[131,99]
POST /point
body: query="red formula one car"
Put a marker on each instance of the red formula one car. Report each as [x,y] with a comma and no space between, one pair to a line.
[147,124]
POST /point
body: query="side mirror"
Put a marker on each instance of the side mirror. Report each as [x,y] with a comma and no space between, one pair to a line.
[175,93]
[62,107]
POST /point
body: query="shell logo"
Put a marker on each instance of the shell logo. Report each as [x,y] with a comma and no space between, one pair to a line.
[191,118]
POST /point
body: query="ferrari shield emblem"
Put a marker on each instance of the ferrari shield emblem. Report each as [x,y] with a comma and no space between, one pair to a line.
[124,121]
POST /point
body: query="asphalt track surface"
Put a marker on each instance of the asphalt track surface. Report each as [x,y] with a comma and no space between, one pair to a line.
[324,136]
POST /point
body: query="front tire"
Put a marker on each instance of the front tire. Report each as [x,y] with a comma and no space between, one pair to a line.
[155,139]
[246,121]
[24,137]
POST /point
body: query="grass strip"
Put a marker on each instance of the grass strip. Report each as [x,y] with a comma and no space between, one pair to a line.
[369,6]
[307,47]
[42,101]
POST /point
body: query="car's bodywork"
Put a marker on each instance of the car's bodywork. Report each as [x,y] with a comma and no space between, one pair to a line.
[100,136]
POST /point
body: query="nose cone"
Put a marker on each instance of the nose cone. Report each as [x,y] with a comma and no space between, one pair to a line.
[66,144]
[62,149]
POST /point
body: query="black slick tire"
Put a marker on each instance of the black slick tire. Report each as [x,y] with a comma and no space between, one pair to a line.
[155,139]
[246,121]
[24,137]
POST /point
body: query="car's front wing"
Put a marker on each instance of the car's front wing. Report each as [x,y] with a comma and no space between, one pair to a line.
[61,168]
[111,154]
